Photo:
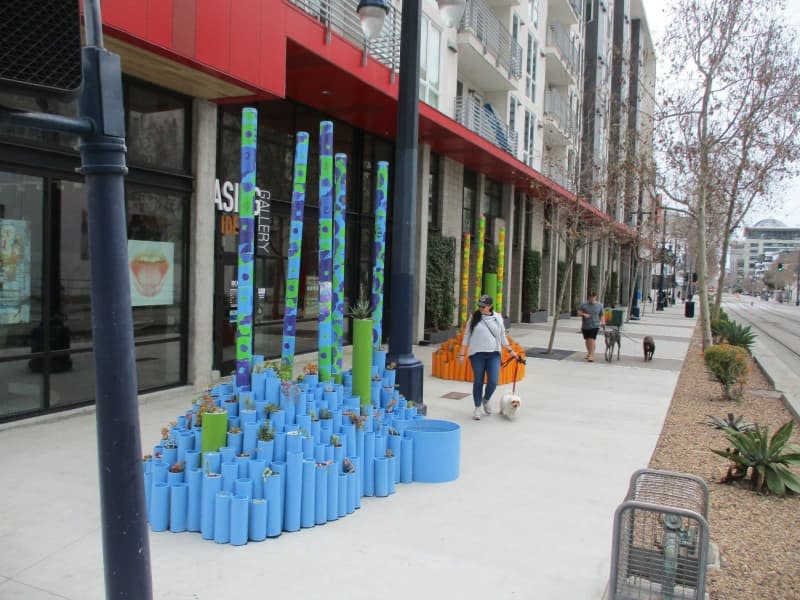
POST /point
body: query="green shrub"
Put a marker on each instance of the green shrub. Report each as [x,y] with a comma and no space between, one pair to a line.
[440,301]
[717,326]
[531,278]
[728,366]
[767,460]
[577,279]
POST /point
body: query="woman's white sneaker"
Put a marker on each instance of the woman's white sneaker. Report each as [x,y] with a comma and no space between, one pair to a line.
[476,414]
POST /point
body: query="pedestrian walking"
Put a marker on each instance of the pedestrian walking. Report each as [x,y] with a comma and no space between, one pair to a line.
[591,313]
[484,336]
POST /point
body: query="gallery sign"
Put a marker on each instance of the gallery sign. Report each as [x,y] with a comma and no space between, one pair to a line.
[226,200]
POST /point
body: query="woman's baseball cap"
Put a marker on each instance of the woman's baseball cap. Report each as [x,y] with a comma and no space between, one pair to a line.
[485,300]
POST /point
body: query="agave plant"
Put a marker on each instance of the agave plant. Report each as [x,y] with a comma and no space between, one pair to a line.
[361,309]
[767,460]
[731,422]
[736,334]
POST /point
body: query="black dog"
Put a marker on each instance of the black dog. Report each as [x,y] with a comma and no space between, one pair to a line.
[612,338]
[649,347]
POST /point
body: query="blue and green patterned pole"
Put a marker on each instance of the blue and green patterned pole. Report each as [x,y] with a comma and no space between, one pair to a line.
[295,250]
[340,175]
[244,308]
[325,247]
[381,199]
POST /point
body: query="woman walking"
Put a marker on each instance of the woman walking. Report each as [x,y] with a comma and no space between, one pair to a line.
[484,335]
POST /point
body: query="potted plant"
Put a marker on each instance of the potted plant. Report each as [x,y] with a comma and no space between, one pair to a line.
[361,314]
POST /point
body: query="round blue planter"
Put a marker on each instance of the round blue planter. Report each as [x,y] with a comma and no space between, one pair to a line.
[407,461]
[257,524]
[244,487]
[159,507]
[256,474]
[194,478]
[308,510]
[230,473]
[227,454]
[321,495]
[294,486]
[212,484]
[222,518]
[240,512]
[178,505]
[333,491]
[272,494]
[342,504]
[192,460]
[437,450]
[381,477]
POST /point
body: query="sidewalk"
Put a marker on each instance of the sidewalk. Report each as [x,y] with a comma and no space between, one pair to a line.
[530,516]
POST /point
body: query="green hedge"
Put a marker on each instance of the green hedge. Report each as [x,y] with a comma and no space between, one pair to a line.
[440,302]
[577,279]
[531,280]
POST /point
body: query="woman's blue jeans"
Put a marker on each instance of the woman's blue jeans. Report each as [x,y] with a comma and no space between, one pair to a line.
[484,363]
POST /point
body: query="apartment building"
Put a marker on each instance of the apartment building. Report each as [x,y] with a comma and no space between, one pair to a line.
[502,127]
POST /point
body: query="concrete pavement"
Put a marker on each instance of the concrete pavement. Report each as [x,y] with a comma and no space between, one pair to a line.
[530,516]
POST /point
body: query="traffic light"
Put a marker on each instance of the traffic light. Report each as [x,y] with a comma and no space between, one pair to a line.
[40,47]
[780,266]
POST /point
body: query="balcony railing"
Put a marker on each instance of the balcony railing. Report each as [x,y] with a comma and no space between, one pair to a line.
[340,17]
[558,36]
[481,22]
[576,6]
[557,108]
[483,121]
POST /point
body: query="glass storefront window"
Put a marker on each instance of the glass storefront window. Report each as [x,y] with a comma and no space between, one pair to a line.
[156,128]
[21,260]
[156,261]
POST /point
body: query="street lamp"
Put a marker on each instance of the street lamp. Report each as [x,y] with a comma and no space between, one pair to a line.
[404,202]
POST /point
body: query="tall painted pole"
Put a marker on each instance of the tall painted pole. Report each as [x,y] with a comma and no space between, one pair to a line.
[501,269]
[325,247]
[378,268]
[295,250]
[479,260]
[339,238]
[464,303]
[244,295]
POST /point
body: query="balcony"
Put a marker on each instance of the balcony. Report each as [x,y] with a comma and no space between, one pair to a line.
[562,58]
[559,119]
[483,121]
[340,17]
[488,56]
[564,11]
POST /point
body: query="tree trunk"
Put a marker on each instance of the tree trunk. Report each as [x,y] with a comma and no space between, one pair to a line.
[562,292]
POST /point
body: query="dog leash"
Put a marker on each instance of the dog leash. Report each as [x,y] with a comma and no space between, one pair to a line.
[516,370]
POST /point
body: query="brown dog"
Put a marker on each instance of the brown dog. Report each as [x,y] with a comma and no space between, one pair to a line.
[649,347]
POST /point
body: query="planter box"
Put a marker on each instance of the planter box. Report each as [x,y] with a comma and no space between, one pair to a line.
[437,337]
[539,316]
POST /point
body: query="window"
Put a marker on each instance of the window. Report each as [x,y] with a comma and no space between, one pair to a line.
[512,115]
[533,13]
[494,203]
[434,199]
[429,63]
[527,141]
[469,206]
[530,69]
[157,126]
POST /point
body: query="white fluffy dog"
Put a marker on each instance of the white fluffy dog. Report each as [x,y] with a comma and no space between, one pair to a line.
[509,405]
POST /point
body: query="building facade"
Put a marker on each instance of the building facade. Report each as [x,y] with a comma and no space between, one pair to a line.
[502,127]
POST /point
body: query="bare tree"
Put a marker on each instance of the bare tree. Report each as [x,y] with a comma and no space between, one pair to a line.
[728,120]
[575,225]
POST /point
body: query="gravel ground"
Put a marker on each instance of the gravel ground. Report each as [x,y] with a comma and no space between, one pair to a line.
[757,535]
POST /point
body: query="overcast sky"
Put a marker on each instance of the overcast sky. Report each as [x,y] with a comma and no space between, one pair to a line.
[788,198]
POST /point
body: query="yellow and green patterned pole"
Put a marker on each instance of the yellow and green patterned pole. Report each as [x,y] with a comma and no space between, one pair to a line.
[501,260]
[479,259]
[339,208]
[244,308]
[381,201]
[295,251]
[325,247]
[465,279]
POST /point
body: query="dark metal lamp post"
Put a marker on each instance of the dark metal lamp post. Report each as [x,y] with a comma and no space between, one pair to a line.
[404,201]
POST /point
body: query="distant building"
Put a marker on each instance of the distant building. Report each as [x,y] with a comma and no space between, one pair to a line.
[763,244]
